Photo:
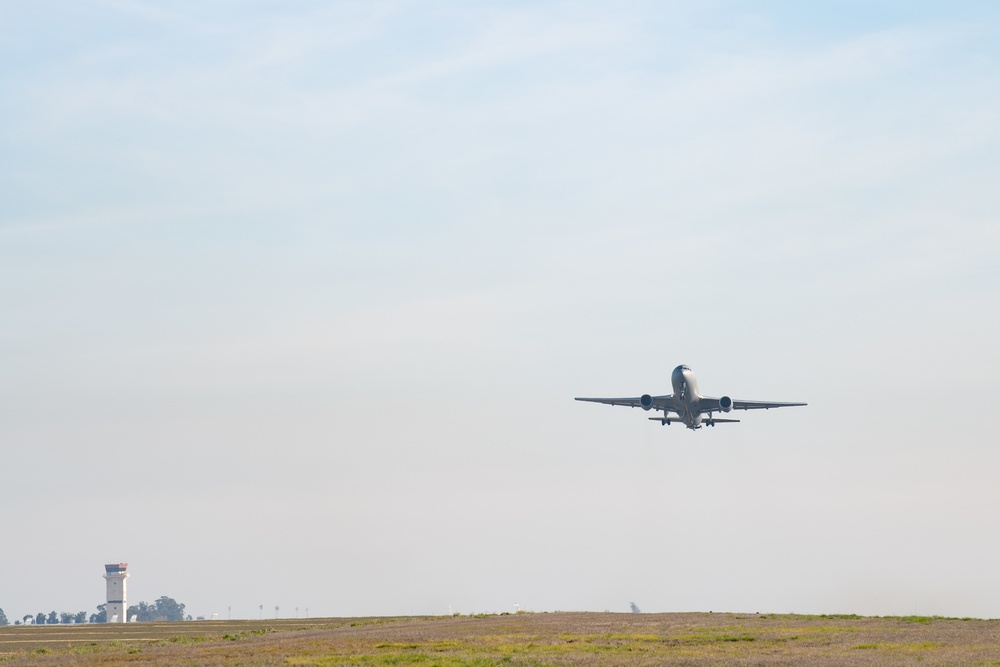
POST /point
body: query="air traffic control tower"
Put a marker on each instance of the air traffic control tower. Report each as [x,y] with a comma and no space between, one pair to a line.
[116,574]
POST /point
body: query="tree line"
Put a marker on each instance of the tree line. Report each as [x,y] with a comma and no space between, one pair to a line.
[163,609]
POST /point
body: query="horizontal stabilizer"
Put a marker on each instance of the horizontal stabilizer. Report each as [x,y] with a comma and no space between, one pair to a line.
[704,421]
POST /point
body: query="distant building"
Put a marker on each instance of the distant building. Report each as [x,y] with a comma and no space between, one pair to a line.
[116,574]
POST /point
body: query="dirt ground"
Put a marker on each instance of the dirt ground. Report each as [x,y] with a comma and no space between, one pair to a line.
[559,638]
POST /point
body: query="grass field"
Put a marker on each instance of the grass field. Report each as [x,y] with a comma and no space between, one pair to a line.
[521,639]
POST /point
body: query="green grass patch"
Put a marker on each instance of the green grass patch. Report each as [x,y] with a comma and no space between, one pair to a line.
[424,646]
[411,659]
[905,647]
[703,638]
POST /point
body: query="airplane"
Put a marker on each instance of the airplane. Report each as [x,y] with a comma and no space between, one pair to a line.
[690,406]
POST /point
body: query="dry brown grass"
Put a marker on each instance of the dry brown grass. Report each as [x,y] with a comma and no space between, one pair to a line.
[520,639]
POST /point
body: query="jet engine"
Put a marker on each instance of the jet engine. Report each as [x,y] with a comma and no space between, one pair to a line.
[646,401]
[725,404]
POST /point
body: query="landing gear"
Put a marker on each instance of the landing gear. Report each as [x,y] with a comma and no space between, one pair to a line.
[664,422]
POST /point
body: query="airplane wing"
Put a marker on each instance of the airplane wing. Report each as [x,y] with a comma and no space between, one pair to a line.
[712,405]
[761,405]
[659,402]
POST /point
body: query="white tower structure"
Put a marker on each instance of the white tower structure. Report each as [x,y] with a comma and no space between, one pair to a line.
[116,574]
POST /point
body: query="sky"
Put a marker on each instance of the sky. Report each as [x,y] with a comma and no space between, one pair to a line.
[295,298]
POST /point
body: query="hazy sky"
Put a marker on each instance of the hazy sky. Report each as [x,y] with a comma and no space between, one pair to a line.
[295,298]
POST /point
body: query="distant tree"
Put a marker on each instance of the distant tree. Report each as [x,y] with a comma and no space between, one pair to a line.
[169,609]
[3,618]
[24,619]
[101,616]
[142,612]
[40,619]
[164,609]
[80,617]
[53,618]
[65,618]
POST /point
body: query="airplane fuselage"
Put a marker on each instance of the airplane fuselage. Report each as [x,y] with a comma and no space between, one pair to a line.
[686,389]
